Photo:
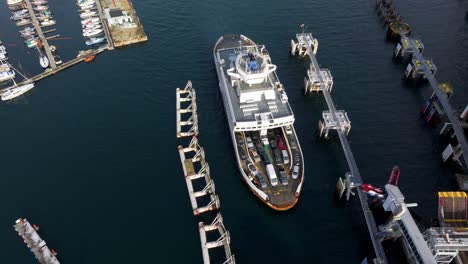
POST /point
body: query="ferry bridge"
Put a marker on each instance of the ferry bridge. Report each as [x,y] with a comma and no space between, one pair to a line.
[320,80]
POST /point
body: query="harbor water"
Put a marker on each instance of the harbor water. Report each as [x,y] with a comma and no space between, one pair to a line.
[90,154]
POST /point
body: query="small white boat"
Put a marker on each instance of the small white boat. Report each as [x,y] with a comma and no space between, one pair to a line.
[92,32]
[27,30]
[19,16]
[85,2]
[44,61]
[14,2]
[48,22]
[53,48]
[16,91]
[3,56]
[87,7]
[92,26]
[23,22]
[94,41]
[6,73]
[90,20]
[88,14]
[57,60]
[41,8]
[39,2]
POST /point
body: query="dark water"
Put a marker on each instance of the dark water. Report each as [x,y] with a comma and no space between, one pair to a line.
[90,154]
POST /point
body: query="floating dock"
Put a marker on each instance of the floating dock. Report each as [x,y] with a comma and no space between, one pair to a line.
[197,174]
[122,25]
[34,242]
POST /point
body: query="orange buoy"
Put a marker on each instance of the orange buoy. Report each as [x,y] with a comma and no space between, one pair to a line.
[39,43]
[89,58]
[53,252]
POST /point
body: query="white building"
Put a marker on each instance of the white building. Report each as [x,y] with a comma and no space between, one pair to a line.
[116,16]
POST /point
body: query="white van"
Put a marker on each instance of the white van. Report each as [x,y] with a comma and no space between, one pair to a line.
[272,175]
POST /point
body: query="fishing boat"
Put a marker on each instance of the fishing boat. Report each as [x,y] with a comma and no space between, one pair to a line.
[57,60]
[267,150]
[88,14]
[44,61]
[90,20]
[23,22]
[48,22]
[94,41]
[41,8]
[6,73]
[92,32]
[16,91]
[14,2]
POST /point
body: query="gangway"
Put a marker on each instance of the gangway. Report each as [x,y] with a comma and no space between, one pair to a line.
[339,121]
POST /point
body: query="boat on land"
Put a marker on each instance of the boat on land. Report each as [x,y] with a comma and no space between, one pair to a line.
[261,121]
[16,91]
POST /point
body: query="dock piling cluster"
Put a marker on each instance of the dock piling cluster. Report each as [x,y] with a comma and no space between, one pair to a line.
[197,173]
[34,242]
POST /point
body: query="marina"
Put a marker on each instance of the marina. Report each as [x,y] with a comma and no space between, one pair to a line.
[37,14]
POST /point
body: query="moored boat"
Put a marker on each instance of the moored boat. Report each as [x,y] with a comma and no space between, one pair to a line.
[57,60]
[90,20]
[31,43]
[48,22]
[92,32]
[14,2]
[261,120]
[6,73]
[16,91]
[94,41]
[23,22]
[92,26]
[88,14]
[89,58]
[41,8]
[44,61]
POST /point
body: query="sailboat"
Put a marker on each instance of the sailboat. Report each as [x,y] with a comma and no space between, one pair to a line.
[44,61]
[16,90]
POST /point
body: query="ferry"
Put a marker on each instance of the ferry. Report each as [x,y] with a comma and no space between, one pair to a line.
[261,121]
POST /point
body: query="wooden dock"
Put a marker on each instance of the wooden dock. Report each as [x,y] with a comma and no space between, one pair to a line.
[81,57]
[41,34]
[105,26]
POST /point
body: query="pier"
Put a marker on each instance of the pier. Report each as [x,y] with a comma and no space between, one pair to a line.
[81,57]
[105,25]
[34,242]
[321,80]
[200,185]
[41,34]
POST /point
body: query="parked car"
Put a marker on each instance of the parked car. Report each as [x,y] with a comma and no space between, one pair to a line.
[242,155]
[255,156]
[265,140]
[249,142]
[261,181]
[295,172]
[265,158]
[285,156]
[283,177]
[273,144]
[278,159]
[297,159]
[288,130]
[281,144]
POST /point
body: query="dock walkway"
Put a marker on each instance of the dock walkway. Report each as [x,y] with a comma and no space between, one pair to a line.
[81,57]
[41,34]
[307,45]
